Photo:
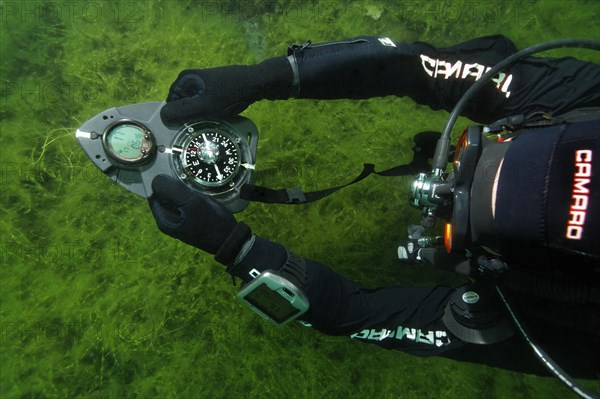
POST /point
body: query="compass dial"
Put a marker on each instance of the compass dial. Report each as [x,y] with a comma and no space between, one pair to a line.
[211,157]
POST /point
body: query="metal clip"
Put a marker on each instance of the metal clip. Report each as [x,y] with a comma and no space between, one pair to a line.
[295,196]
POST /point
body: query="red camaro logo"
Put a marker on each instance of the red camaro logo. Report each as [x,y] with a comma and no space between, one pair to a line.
[580,194]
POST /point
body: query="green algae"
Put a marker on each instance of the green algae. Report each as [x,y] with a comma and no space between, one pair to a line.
[96,303]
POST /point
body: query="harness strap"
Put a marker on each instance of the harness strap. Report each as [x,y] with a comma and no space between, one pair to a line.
[296,196]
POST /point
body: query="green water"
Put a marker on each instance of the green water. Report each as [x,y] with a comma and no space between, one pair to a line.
[96,303]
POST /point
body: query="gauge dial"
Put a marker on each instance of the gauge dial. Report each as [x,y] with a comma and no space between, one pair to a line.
[210,157]
[129,143]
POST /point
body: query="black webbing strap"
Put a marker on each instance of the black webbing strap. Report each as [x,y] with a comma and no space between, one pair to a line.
[254,193]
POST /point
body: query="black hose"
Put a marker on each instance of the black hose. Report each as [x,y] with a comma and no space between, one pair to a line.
[543,355]
[440,159]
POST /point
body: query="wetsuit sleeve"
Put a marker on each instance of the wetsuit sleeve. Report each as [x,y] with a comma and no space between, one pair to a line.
[403,318]
[365,67]
[447,73]
[554,85]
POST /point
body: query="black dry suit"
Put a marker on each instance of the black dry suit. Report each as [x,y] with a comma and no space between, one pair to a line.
[539,192]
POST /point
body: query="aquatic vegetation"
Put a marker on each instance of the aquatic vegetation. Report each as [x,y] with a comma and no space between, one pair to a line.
[96,302]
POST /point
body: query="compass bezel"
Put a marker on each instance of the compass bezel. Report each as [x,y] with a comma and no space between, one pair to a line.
[235,180]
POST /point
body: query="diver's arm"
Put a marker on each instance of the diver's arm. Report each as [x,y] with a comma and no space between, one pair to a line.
[401,318]
[405,318]
[366,67]
[356,68]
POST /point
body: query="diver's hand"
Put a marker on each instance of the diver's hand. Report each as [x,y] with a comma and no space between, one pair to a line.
[191,217]
[227,90]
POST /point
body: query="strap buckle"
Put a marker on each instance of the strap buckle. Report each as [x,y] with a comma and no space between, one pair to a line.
[295,196]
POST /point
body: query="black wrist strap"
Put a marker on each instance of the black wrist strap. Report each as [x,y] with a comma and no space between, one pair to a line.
[251,192]
[233,244]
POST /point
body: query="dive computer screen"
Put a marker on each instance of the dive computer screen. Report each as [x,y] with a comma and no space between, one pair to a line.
[271,303]
[129,143]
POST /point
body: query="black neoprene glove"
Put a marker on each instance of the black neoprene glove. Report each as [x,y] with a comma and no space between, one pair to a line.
[227,90]
[195,219]
[360,67]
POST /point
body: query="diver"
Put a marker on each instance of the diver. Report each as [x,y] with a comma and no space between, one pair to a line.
[535,198]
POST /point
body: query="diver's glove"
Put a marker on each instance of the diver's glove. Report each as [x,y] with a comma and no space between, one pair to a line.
[227,90]
[197,220]
[356,68]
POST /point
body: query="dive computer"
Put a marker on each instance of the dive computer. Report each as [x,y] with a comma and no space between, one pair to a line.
[278,295]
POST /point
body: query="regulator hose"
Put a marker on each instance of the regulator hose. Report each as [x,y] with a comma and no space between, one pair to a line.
[440,159]
[543,355]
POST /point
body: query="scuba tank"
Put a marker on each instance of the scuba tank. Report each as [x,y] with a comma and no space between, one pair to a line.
[519,207]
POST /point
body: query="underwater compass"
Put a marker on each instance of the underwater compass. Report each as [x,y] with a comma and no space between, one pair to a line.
[132,146]
[212,156]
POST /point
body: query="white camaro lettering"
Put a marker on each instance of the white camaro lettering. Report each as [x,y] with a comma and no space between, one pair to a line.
[437,338]
[435,68]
